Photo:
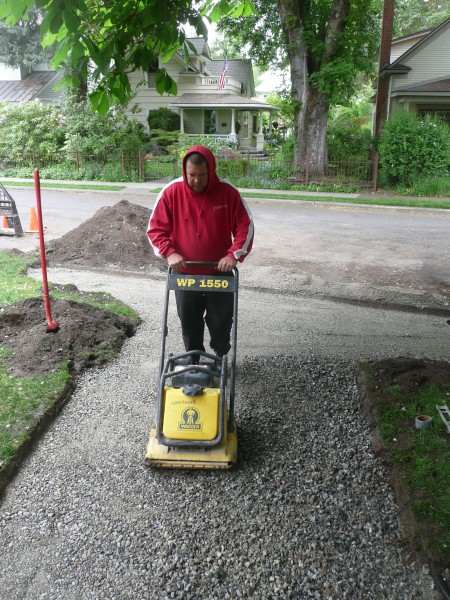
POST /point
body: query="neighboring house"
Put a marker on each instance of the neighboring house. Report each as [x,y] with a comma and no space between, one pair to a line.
[232,112]
[419,72]
[22,85]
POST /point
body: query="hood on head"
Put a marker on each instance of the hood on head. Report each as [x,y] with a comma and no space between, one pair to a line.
[210,161]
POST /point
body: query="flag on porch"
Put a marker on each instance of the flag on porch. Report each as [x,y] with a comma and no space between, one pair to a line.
[221,81]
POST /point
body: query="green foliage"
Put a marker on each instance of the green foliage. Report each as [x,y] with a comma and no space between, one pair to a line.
[163,118]
[21,44]
[167,141]
[349,129]
[119,37]
[216,145]
[411,147]
[96,135]
[229,169]
[27,128]
[416,15]
[422,456]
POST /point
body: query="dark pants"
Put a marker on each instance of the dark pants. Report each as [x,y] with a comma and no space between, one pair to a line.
[213,308]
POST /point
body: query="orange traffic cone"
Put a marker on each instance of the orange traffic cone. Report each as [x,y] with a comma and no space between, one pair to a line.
[34,225]
[5,224]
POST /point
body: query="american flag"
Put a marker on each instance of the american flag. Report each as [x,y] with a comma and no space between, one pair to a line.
[221,81]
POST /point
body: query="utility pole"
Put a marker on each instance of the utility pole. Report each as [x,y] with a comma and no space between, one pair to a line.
[385,57]
[381,104]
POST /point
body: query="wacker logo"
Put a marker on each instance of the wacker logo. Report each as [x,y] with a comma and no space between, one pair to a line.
[190,417]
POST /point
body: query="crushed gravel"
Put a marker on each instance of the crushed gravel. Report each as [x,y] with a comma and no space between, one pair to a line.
[308,513]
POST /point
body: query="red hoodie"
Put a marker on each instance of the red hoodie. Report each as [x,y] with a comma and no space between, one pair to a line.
[201,226]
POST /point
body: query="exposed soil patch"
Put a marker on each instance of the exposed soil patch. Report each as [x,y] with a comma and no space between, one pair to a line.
[114,237]
[87,335]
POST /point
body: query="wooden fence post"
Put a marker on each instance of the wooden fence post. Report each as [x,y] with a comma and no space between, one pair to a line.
[375,171]
[141,166]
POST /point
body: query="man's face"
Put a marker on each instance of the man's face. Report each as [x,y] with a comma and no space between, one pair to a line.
[197,176]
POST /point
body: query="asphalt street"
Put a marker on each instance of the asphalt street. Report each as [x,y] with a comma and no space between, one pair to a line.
[309,512]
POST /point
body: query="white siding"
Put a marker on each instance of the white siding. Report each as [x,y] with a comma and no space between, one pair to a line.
[402,46]
[430,61]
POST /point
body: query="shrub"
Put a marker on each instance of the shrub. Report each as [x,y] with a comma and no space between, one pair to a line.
[27,129]
[227,169]
[163,118]
[411,147]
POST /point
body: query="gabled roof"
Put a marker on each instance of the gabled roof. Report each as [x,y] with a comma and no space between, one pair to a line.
[28,89]
[238,68]
[201,46]
[420,43]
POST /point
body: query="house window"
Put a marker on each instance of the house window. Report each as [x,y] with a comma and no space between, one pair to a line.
[442,113]
[246,118]
[255,123]
[151,74]
[210,121]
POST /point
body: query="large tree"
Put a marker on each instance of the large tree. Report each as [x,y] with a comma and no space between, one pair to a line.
[118,36]
[326,44]
[417,15]
[22,43]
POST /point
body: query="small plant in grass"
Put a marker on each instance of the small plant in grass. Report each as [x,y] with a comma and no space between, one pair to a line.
[422,458]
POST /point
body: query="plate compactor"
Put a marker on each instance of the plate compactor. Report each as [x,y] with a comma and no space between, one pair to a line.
[195,426]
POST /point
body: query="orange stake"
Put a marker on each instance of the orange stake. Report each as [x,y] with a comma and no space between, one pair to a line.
[51,326]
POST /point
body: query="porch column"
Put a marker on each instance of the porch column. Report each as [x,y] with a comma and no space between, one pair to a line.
[182,120]
[260,135]
[233,137]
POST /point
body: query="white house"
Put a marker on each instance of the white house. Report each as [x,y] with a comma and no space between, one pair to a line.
[232,112]
[419,72]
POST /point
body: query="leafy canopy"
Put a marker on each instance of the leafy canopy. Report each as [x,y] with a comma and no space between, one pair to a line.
[118,36]
[332,61]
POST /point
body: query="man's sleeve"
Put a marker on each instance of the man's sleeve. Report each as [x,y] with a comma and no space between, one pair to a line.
[159,230]
[243,231]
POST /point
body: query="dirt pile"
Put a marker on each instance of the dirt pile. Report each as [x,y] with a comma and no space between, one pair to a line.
[113,238]
[87,336]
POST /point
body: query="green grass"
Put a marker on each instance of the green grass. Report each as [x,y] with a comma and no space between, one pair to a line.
[422,456]
[66,186]
[408,202]
[23,400]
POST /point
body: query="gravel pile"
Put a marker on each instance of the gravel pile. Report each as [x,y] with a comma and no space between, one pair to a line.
[307,514]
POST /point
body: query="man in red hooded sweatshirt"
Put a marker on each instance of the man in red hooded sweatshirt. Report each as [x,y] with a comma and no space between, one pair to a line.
[199,217]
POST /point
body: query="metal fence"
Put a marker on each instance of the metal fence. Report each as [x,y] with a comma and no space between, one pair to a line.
[140,166]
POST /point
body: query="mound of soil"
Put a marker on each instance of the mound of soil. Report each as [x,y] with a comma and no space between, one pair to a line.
[86,336]
[113,238]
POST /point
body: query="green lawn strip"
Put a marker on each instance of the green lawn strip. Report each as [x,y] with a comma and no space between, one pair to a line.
[24,400]
[422,458]
[412,203]
[68,186]
[23,403]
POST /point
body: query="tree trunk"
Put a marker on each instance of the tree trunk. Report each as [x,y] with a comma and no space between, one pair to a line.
[310,104]
[311,133]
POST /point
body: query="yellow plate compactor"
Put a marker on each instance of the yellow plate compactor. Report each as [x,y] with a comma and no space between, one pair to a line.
[195,425]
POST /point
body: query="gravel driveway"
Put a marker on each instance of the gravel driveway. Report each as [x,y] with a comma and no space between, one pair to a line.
[308,512]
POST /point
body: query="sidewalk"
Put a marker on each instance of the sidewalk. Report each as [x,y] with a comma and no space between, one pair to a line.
[149,187]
